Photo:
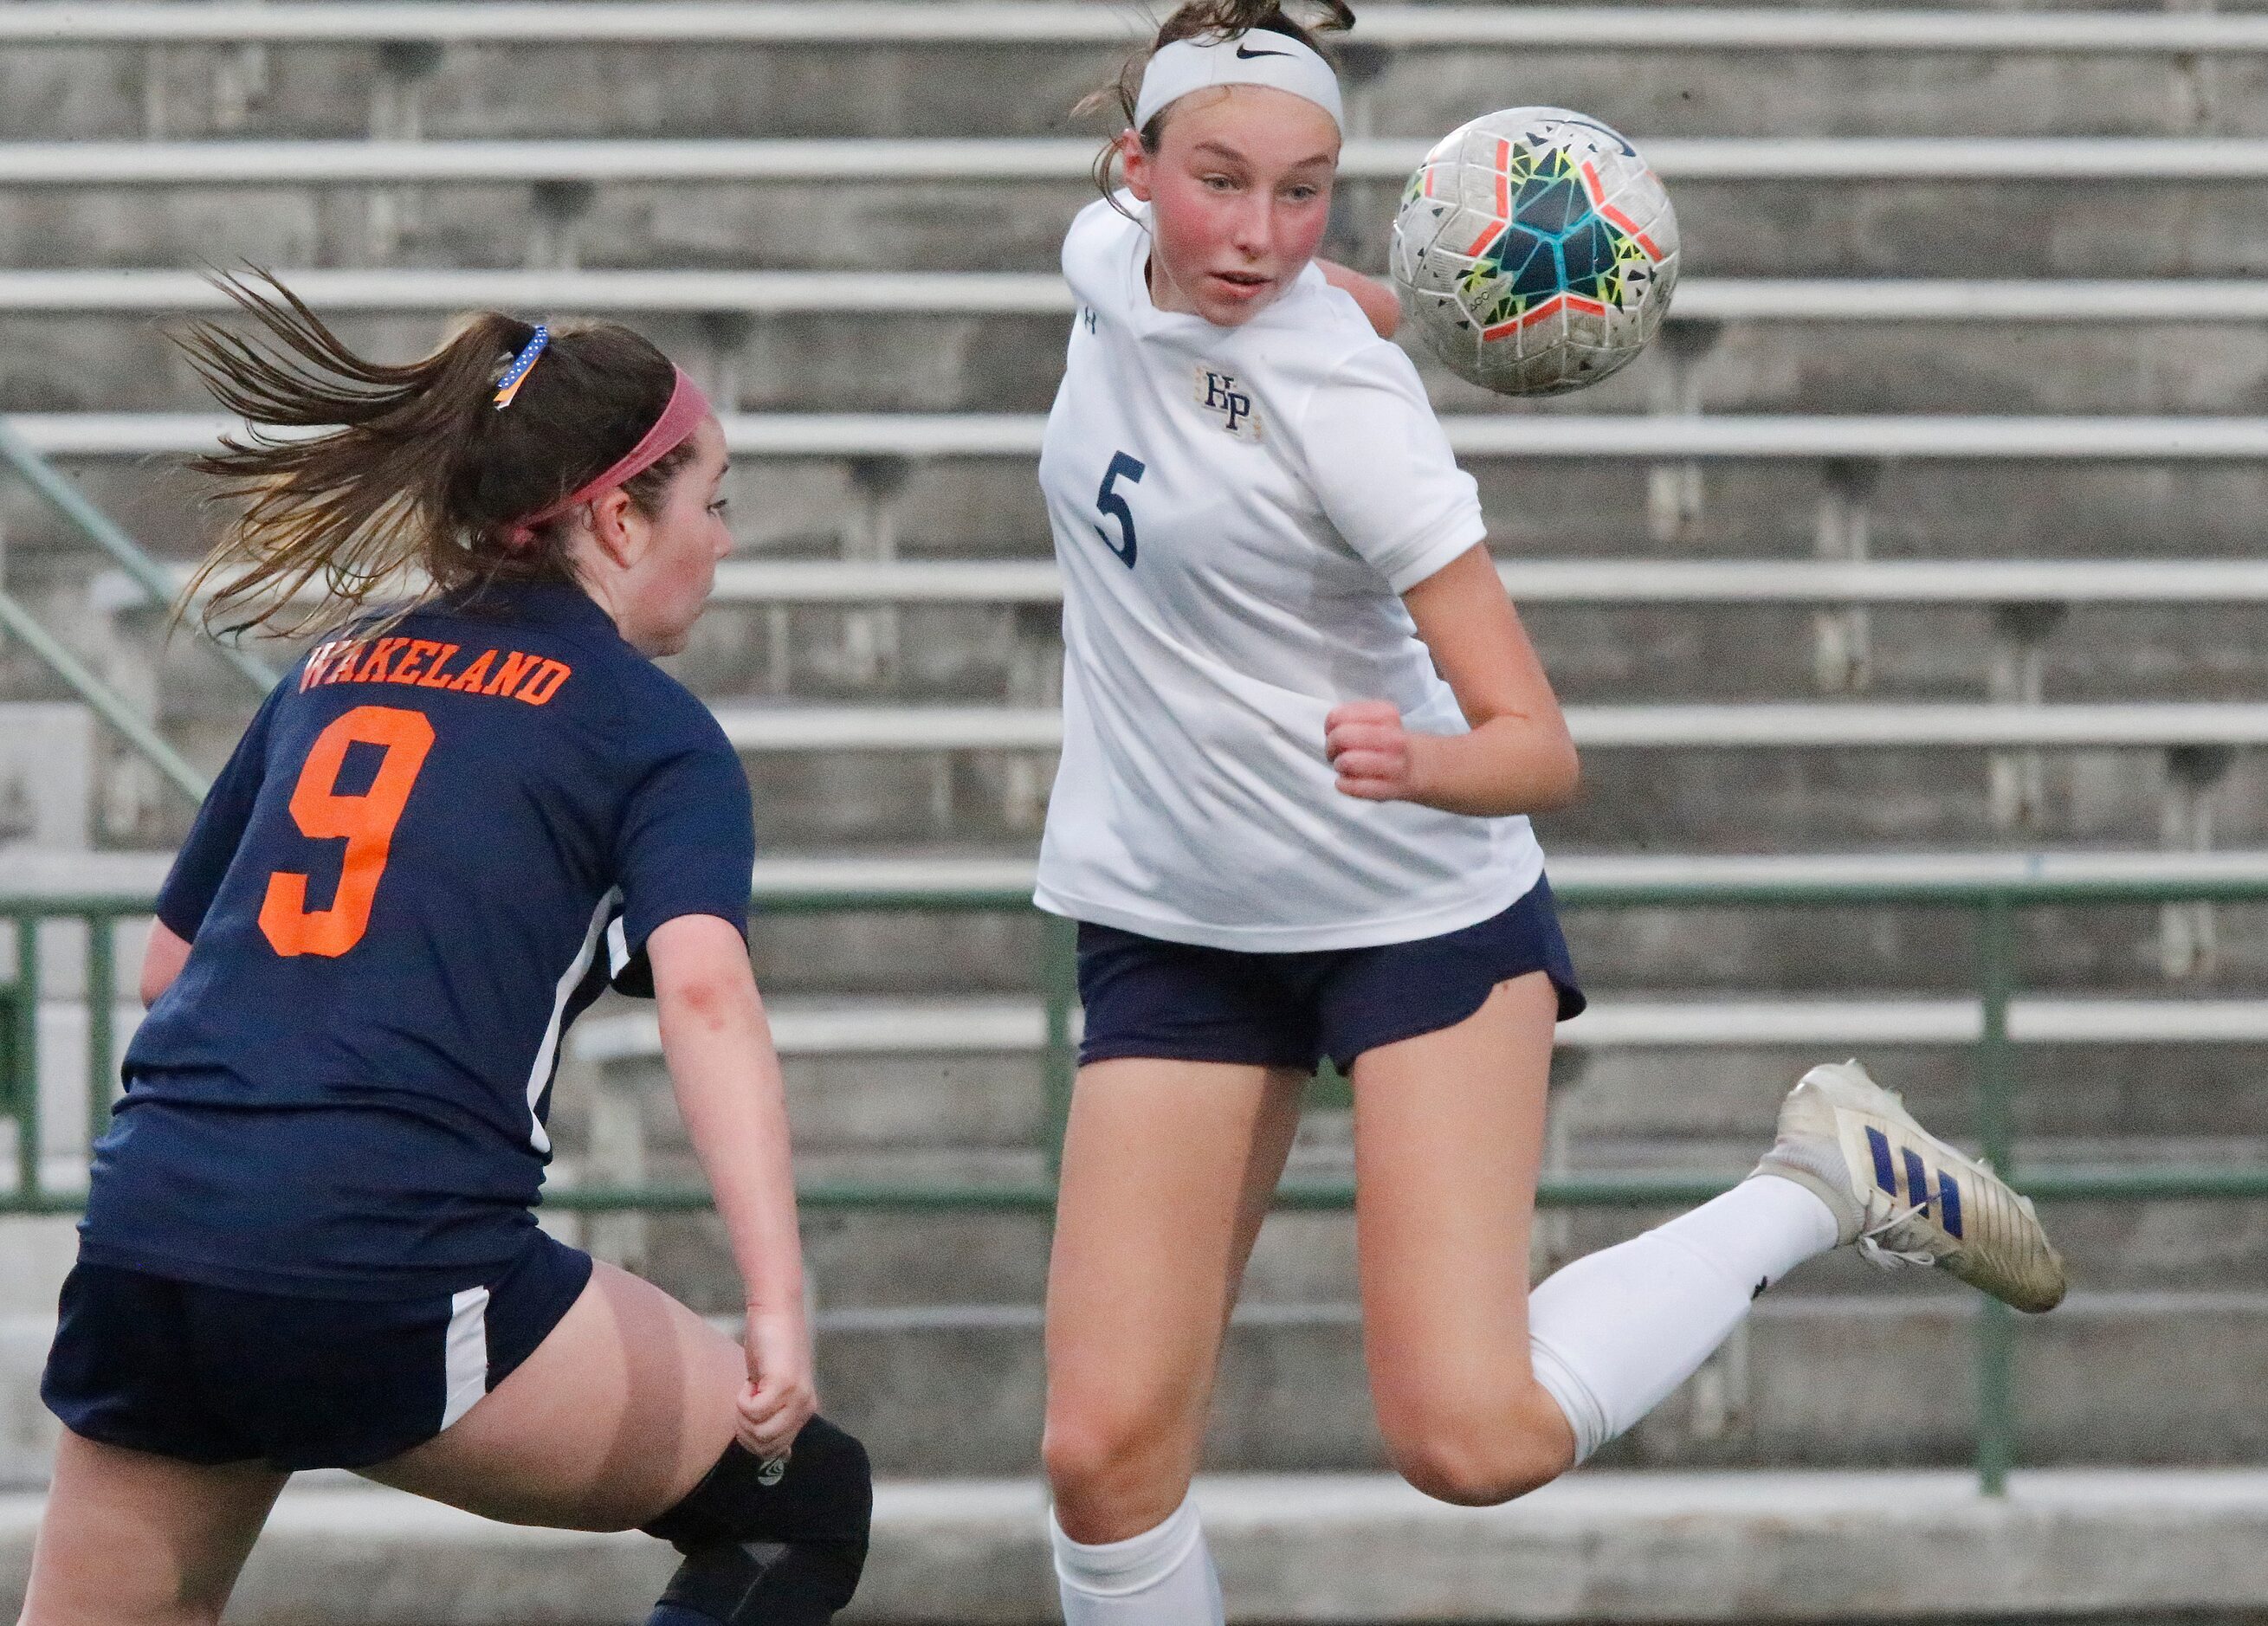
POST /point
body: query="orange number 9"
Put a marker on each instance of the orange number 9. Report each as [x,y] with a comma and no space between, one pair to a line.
[364,822]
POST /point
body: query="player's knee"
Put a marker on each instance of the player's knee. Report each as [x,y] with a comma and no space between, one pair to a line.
[1461,1455]
[1081,1451]
[1102,1458]
[1472,1472]
[786,1547]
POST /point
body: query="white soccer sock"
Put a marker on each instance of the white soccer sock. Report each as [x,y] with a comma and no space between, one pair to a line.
[1610,1335]
[1160,1578]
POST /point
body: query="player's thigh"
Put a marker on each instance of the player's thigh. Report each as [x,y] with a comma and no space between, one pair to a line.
[1168,1167]
[620,1411]
[1448,1142]
[130,1538]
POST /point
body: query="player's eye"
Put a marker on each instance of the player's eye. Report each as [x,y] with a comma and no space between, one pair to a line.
[720,506]
[1219,183]
[1303,194]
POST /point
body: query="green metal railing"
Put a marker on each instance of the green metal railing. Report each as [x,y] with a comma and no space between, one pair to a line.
[1994,901]
[105,702]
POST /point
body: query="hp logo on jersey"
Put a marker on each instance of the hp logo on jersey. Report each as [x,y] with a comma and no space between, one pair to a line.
[1217,393]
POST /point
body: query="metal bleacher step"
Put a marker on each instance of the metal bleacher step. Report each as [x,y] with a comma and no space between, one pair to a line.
[87,166]
[1762,725]
[1825,1375]
[111,291]
[852,1025]
[1554,437]
[992,582]
[1039,23]
[1357,1549]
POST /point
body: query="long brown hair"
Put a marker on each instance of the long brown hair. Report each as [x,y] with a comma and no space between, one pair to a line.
[1202,19]
[388,473]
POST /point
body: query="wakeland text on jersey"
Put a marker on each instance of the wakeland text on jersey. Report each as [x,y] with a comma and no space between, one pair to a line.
[423,663]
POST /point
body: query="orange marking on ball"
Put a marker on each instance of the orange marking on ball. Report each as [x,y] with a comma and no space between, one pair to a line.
[1653,249]
[1549,308]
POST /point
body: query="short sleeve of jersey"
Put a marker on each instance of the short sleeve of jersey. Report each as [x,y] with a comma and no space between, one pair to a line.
[1379,462]
[1098,255]
[687,843]
[193,881]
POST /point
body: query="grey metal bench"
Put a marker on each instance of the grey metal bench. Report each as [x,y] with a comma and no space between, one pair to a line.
[393,163]
[1872,301]
[1796,29]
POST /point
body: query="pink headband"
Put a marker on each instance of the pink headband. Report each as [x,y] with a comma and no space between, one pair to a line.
[687,405]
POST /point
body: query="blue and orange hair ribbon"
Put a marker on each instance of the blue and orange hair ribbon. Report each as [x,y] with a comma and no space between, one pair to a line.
[516,373]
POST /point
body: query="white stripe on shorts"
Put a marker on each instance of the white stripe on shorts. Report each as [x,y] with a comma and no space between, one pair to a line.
[465,1357]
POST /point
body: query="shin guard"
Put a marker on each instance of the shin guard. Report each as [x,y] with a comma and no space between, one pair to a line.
[784,1548]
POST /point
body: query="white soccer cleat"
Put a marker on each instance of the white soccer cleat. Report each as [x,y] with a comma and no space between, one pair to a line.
[1903,1196]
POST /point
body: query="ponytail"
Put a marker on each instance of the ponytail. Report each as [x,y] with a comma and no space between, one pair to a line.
[398,472]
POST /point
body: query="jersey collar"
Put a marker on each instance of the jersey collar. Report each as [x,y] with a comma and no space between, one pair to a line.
[564,605]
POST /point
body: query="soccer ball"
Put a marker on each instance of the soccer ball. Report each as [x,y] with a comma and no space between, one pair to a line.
[1536,250]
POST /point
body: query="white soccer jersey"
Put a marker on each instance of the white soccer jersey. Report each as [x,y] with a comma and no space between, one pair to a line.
[1235,510]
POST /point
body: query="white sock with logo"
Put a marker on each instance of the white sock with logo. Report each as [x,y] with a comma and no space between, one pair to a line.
[1612,1334]
[1160,1578]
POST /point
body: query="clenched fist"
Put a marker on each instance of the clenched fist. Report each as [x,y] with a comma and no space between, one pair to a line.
[1376,757]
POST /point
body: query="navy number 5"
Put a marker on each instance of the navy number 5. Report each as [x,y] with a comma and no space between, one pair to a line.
[1121,466]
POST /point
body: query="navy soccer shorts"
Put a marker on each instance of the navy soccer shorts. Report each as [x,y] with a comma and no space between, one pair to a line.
[214,1374]
[1182,1002]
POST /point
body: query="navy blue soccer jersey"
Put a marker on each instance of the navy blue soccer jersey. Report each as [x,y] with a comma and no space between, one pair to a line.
[432,849]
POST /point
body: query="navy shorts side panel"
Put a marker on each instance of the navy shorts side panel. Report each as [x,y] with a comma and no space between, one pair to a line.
[1183,1002]
[1398,991]
[531,1300]
[217,1374]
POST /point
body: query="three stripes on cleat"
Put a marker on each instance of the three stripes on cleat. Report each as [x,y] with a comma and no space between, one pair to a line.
[1946,1199]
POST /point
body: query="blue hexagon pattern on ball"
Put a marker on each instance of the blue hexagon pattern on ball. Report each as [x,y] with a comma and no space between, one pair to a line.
[1537,251]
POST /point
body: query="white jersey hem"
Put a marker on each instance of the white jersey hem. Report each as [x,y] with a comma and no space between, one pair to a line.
[1492,895]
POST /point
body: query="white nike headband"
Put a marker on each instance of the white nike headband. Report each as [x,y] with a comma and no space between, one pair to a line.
[1261,57]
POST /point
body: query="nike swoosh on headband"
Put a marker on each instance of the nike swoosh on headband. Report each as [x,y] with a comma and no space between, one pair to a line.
[1187,65]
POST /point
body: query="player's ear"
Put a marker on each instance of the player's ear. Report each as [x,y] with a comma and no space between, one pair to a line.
[1135,163]
[617,529]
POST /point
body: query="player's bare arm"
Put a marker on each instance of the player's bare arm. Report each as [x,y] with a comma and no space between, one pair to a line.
[1377,298]
[1519,757]
[163,956]
[727,1079]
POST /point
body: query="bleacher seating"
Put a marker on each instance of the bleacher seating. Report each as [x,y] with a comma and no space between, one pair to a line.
[1948,365]
[1662,727]
[1067,22]
[109,292]
[1940,437]
[1531,581]
[1904,159]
